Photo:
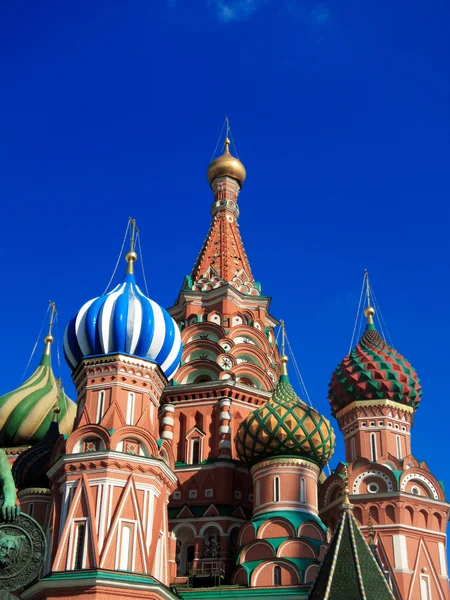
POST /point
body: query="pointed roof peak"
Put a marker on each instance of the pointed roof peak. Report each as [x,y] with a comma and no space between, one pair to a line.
[349,566]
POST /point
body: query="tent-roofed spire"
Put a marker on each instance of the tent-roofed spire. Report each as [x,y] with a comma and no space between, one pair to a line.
[349,569]
[222,259]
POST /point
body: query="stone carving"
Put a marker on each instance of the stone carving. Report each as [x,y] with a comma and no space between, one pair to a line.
[22,541]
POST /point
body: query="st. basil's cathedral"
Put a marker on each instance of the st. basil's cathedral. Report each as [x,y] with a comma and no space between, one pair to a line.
[189,468]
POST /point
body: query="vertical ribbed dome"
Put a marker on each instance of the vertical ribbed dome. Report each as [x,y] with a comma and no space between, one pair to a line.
[124,321]
[26,413]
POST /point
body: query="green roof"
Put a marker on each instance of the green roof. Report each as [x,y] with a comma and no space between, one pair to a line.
[349,570]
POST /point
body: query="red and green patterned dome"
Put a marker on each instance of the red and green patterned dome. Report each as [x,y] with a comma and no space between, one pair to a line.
[374,371]
[284,425]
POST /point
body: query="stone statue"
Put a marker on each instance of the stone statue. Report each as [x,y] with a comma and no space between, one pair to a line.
[9,509]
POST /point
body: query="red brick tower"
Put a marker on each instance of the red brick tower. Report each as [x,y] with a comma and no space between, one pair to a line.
[374,394]
[229,365]
[112,476]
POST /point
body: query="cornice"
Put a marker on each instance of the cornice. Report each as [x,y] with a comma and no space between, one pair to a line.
[373,403]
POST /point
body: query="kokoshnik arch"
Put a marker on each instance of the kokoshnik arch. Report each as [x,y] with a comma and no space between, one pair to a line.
[189,467]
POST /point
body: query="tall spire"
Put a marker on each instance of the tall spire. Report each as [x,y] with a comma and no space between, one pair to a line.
[222,259]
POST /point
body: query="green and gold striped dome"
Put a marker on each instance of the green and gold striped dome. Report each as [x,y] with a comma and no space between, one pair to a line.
[285,425]
[26,413]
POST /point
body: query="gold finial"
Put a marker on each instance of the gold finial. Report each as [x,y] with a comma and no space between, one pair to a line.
[345,489]
[371,531]
[369,311]
[49,338]
[283,357]
[131,256]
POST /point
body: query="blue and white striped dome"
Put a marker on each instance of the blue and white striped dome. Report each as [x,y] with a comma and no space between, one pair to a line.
[124,321]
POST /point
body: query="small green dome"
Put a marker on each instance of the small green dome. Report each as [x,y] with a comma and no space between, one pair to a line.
[285,425]
[26,413]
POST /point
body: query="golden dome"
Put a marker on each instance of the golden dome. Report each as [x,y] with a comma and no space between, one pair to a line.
[226,165]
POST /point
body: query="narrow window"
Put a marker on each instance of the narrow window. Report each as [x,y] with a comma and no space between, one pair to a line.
[79,546]
[277,575]
[425,592]
[130,409]
[125,549]
[353,448]
[276,489]
[258,493]
[31,510]
[373,447]
[399,447]
[302,490]
[100,406]
[195,451]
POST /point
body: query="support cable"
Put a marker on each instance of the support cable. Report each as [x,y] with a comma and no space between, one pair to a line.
[142,263]
[118,259]
[37,341]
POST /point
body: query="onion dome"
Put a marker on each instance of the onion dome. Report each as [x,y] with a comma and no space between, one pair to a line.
[373,371]
[285,425]
[226,166]
[124,321]
[26,413]
[30,468]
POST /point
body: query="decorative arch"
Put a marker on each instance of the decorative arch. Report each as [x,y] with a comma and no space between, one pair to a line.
[262,575]
[137,433]
[375,473]
[88,431]
[424,481]
[277,527]
[211,524]
[296,549]
[311,573]
[311,530]
[247,534]
[256,550]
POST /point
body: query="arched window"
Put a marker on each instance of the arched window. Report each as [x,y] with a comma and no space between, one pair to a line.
[31,509]
[373,447]
[277,575]
[276,489]
[80,538]
[100,406]
[399,447]
[302,490]
[129,420]
[257,493]
[195,451]
[353,448]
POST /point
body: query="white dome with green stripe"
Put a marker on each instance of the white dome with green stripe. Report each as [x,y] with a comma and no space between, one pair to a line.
[26,413]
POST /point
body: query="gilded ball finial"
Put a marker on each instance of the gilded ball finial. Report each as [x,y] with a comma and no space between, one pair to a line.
[369,313]
[131,258]
[48,339]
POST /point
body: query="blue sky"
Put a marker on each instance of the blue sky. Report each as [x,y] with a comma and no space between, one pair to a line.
[339,111]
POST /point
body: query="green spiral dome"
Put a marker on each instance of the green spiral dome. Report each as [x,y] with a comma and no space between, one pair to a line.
[285,425]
